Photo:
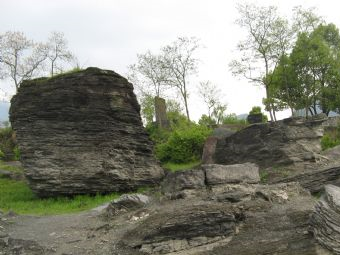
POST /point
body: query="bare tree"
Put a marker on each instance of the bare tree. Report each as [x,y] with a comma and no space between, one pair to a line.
[148,74]
[210,95]
[58,52]
[179,61]
[20,58]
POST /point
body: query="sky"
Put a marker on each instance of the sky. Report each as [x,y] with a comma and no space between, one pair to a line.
[110,33]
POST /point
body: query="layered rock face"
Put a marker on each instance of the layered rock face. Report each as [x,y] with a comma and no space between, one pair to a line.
[223,217]
[81,133]
[285,142]
[325,220]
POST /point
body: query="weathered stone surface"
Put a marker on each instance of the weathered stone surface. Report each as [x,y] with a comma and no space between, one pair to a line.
[82,133]
[160,112]
[237,173]
[284,142]
[209,147]
[274,220]
[314,180]
[181,180]
[126,203]
[209,150]
[325,221]
[255,118]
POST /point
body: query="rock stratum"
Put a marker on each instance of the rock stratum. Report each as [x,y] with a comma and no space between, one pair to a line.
[81,133]
[190,216]
[285,142]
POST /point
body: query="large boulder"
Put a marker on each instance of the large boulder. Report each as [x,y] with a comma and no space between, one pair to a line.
[293,140]
[81,133]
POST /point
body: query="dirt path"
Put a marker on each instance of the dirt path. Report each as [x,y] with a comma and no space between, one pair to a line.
[71,234]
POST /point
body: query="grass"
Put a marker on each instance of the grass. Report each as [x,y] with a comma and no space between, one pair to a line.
[183,166]
[4,166]
[17,196]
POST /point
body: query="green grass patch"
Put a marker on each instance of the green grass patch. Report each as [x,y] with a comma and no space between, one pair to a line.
[11,168]
[181,166]
[17,196]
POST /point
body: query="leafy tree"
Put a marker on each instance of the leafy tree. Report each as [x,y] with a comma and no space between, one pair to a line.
[310,77]
[260,52]
[206,121]
[180,63]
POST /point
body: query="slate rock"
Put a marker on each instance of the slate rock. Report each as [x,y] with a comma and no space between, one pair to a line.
[284,142]
[127,202]
[81,133]
[181,180]
[237,173]
[325,221]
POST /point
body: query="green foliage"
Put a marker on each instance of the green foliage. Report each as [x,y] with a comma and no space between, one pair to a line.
[7,144]
[232,119]
[328,142]
[310,75]
[264,176]
[16,152]
[255,110]
[183,166]
[206,121]
[17,196]
[183,145]
[258,110]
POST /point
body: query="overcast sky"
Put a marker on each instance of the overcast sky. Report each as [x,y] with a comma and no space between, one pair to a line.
[109,34]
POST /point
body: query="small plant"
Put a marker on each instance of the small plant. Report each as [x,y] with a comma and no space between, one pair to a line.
[264,176]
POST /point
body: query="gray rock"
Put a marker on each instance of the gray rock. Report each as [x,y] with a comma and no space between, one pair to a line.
[257,226]
[314,180]
[281,143]
[127,202]
[237,173]
[325,220]
[209,147]
[181,180]
[81,133]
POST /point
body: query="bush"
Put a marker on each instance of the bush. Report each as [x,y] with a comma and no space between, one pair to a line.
[7,144]
[184,145]
[327,142]
[232,119]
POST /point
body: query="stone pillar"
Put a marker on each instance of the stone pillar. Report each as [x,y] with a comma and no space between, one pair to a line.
[160,110]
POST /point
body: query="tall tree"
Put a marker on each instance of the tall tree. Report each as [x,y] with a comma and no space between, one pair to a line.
[260,52]
[149,74]
[58,52]
[310,77]
[180,63]
[210,95]
[20,58]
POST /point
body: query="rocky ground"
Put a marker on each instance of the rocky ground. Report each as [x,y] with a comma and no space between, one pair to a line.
[202,211]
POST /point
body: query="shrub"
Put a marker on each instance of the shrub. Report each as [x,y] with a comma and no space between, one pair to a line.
[327,142]
[184,145]
[7,144]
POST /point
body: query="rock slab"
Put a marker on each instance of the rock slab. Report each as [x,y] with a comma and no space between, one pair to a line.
[237,173]
[285,142]
[325,221]
[81,133]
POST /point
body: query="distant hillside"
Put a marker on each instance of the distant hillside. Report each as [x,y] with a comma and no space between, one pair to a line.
[4,108]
